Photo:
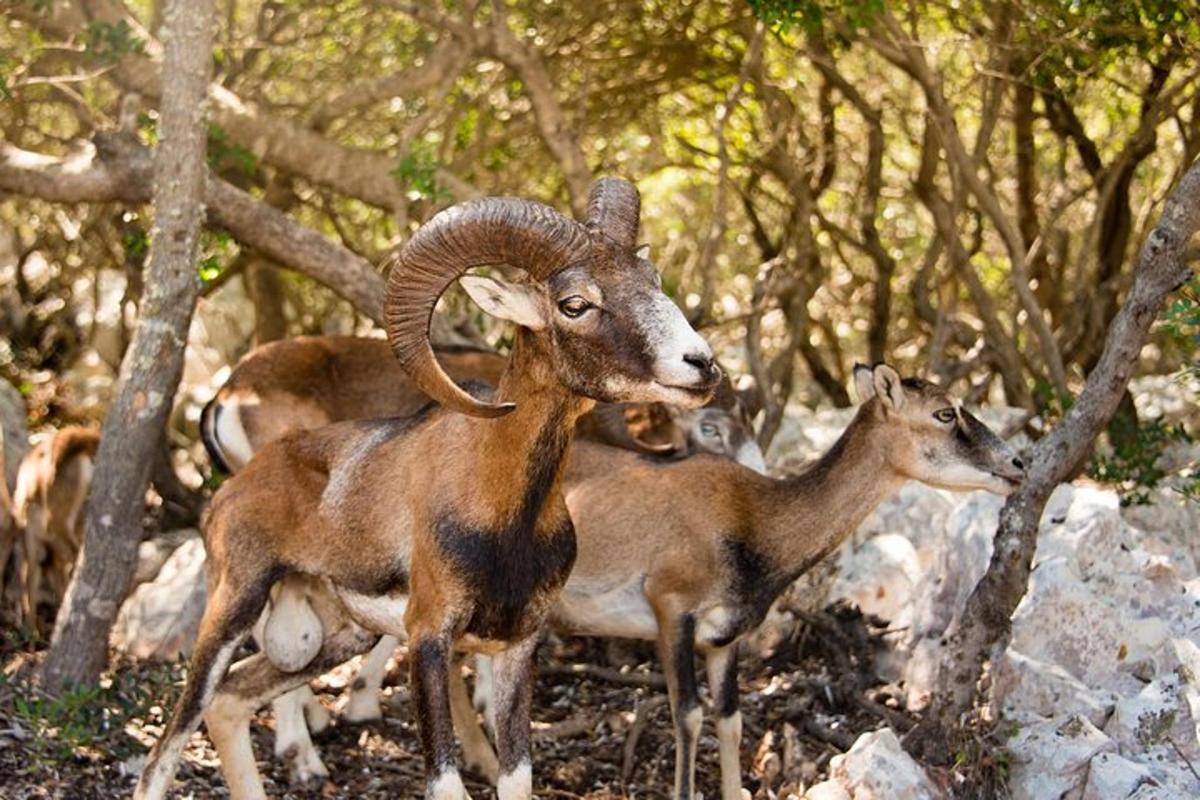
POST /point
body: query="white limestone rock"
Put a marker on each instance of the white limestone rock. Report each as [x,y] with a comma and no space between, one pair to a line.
[878,577]
[161,618]
[1112,777]
[1023,685]
[1051,757]
[876,768]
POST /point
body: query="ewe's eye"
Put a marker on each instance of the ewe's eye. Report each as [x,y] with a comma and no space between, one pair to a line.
[710,430]
[573,306]
[945,415]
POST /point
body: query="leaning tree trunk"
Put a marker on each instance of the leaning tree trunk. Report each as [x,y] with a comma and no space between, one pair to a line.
[987,619]
[153,363]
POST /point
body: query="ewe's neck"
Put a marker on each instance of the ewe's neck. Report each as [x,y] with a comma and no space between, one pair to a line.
[813,512]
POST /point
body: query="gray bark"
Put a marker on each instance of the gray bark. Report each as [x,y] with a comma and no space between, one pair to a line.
[153,364]
[987,619]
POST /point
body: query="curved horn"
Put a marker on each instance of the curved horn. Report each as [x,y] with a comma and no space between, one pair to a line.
[613,208]
[494,230]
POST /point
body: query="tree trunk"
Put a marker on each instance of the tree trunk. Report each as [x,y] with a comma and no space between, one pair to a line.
[153,364]
[987,619]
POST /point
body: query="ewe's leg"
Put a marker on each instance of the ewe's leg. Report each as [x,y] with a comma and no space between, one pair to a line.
[484,696]
[363,702]
[513,698]
[252,683]
[677,647]
[477,751]
[722,684]
[30,572]
[226,621]
[317,715]
[429,655]
[293,745]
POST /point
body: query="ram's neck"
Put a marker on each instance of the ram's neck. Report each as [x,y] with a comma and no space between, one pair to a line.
[519,458]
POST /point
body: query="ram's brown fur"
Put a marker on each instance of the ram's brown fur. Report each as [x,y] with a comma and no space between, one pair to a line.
[448,526]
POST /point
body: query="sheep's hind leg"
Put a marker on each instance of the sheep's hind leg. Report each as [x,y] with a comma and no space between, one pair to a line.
[293,743]
[251,684]
[227,619]
[362,704]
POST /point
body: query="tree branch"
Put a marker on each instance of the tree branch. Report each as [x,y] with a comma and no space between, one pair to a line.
[987,619]
[120,170]
[502,43]
[284,144]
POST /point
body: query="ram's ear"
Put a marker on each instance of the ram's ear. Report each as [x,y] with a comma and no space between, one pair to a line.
[889,387]
[864,382]
[516,302]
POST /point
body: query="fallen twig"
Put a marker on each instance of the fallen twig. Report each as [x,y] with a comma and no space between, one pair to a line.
[565,729]
[653,680]
[635,732]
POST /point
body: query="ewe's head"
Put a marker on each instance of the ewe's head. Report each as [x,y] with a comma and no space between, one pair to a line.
[613,334]
[722,432]
[933,439]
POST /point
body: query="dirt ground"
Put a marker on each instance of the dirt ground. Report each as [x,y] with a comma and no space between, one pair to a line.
[602,725]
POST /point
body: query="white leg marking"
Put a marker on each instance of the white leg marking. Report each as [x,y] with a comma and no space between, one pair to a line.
[158,781]
[485,692]
[292,742]
[228,723]
[477,751]
[447,786]
[317,715]
[516,785]
[729,735]
[693,721]
[362,704]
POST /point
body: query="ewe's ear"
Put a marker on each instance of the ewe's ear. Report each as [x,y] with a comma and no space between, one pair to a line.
[516,302]
[864,382]
[888,387]
[643,252]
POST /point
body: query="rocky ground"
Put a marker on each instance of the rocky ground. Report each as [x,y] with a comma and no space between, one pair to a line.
[601,731]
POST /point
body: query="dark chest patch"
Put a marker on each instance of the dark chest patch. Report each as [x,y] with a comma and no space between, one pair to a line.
[508,572]
[754,583]
[511,566]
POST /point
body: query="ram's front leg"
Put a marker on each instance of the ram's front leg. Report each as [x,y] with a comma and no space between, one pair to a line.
[430,657]
[513,675]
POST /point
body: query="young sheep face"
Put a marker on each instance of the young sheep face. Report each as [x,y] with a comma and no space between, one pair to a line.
[937,441]
[715,430]
[616,337]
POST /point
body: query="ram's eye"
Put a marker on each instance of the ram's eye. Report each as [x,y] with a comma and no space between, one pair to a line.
[945,415]
[574,306]
[710,430]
